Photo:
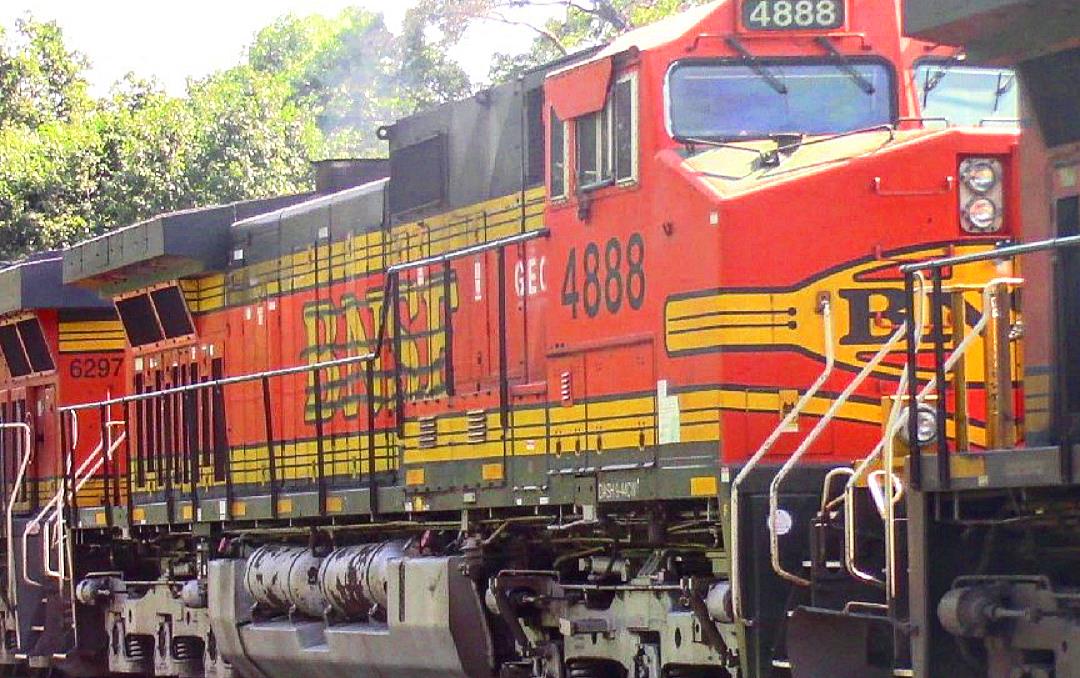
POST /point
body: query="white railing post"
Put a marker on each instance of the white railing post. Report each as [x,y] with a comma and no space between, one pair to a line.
[791,417]
[801,450]
[24,463]
[894,423]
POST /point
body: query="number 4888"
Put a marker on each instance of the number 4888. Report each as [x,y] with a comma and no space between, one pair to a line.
[792,14]
[613,279]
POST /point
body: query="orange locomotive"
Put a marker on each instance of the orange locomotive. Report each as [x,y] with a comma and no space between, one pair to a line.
[520,407]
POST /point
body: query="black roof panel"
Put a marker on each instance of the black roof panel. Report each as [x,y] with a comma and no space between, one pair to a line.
[168,246]
[37,282]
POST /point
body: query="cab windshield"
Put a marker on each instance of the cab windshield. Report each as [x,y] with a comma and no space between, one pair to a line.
[966,95]
[726,101]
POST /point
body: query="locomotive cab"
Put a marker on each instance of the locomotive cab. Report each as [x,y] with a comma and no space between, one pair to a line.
[779,162]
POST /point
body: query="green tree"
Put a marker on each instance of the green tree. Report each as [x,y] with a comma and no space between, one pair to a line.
[46,181]
[310,87]
[351,74]
[576,24]
[248,138]
[80,167]
[40,79]
[47,153]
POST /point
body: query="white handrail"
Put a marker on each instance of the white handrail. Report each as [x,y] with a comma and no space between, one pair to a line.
[830,361]
[811,438]
[891,426]
[58,516]
[826,487]
[41,521]
[990,310]
[44,518]
[876,483]
[24,463]
[894,423]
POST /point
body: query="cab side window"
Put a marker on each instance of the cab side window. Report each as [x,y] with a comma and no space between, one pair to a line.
[557,138]
[607,139]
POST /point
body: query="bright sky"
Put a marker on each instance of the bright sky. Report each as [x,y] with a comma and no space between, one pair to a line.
[175,40]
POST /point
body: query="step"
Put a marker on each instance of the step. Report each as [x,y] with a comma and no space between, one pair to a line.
[897,673]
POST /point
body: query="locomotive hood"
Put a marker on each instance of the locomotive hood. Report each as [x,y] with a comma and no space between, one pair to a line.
[745,167]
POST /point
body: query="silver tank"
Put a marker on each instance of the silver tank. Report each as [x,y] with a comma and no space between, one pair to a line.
[353,578]
[282,577]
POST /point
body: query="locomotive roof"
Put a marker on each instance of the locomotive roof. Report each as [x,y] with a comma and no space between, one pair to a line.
[168,246]
[318,204]
[359,209]
[465,152]
[36,282]
[1006,31]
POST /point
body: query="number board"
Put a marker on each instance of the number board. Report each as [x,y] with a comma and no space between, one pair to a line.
[792,15]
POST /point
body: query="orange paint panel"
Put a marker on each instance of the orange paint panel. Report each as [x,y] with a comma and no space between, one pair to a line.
[580,89]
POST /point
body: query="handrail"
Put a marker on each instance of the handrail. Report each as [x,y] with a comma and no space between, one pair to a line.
[391,284]
[82,476]
[989,311]
[38,523]
[810,439]
[1006,252]
[894,423]
[892,426]
[826,486]
[792,415]
[875,482]
[28,452]
[57,502]
[850,554]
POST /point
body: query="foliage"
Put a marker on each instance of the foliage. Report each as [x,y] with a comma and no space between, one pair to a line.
[352,75]
[310,87]
[577,24]
[40,79]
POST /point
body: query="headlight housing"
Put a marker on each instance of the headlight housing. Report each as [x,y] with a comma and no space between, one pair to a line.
[980,174]
[981,215]
[981,195]
[926,417]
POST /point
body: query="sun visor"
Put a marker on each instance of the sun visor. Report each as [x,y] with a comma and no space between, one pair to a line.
[579,90]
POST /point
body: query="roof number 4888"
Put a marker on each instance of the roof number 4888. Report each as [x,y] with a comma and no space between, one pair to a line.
[778,15]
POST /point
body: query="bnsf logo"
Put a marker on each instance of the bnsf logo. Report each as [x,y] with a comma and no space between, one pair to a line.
[867,302]
[873,314]
[350,327]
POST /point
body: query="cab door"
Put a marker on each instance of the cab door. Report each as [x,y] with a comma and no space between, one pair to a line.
[12,410]
[45,467]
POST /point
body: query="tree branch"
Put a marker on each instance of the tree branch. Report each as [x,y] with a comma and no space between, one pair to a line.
[540,30]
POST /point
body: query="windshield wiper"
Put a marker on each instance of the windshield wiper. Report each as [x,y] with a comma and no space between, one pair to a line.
[1003,86]
[935,78]
[755,65]
[845,66]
